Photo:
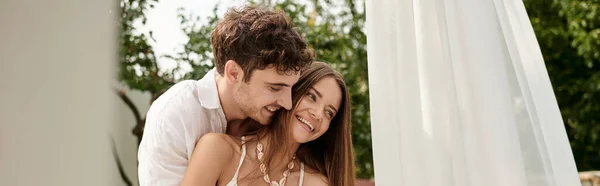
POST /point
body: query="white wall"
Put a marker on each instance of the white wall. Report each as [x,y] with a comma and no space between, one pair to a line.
[55,105]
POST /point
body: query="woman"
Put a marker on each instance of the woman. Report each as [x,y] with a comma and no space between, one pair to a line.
[308,145]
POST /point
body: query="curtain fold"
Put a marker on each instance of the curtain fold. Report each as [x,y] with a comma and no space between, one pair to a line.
[460,96]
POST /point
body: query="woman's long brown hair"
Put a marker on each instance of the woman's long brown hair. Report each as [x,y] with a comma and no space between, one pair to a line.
[331,154]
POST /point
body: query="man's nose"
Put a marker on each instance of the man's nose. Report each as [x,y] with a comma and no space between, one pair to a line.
[285,100]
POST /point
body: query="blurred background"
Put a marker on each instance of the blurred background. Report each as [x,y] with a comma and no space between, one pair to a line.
[162,42]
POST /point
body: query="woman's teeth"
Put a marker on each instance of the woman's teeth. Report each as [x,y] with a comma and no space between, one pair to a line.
[307,124]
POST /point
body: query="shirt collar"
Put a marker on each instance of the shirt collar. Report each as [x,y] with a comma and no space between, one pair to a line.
[208,95]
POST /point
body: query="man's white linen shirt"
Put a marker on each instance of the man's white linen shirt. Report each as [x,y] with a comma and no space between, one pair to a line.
[174,123]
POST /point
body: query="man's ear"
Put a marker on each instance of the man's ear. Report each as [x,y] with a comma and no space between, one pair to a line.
[233,72]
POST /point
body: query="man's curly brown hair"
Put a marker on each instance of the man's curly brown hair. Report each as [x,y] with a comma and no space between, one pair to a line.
[257,38]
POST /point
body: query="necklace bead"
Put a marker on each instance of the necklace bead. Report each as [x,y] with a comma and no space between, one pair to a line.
[263,168]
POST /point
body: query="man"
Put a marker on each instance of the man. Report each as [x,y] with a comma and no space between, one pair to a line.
[258,55]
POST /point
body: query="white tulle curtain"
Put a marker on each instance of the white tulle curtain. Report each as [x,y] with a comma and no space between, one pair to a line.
[460,96]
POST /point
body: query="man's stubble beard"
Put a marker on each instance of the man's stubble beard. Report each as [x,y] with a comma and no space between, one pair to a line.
[245,101]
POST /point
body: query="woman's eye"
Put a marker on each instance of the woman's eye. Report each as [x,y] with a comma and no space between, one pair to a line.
[329,113]
[312,96]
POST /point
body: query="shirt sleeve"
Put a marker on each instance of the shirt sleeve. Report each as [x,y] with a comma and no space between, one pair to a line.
[162,153]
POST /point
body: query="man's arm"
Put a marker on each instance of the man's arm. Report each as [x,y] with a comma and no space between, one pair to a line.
[209,159]
[162,153]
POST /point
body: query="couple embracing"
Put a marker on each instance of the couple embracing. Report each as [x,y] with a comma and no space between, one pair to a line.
[267,114]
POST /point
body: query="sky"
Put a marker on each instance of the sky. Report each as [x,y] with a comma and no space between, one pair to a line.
[166,28]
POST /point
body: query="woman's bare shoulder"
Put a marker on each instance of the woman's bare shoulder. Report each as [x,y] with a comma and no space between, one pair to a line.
[218,144]
[210,159]
[221,140]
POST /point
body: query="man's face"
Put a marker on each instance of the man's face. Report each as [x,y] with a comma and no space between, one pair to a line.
[266,92]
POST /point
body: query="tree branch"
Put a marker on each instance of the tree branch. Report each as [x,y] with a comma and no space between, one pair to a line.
[119,164]
[138,130]
[129,103]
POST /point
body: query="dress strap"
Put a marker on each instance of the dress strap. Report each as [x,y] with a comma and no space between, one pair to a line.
[241,158]
[301,174]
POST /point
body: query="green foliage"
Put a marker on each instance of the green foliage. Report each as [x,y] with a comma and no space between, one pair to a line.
[138,65]
[197,52]
[568,32]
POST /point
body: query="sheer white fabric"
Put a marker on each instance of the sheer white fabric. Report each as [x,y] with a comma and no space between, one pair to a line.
[460,96]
